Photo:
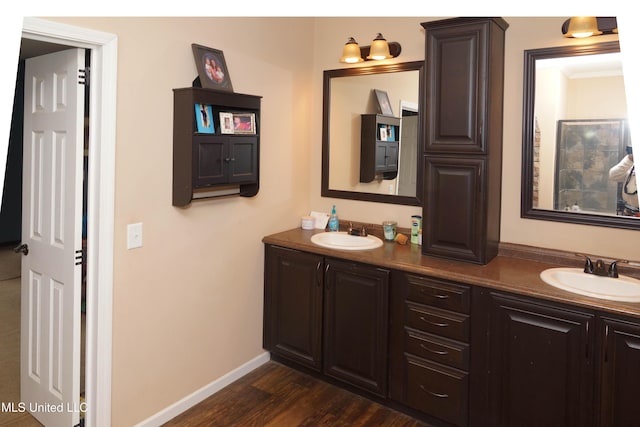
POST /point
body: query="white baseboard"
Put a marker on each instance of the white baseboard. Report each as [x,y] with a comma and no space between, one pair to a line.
[198,396]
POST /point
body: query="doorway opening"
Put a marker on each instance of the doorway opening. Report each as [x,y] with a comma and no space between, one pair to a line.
[11,224]
[100,203]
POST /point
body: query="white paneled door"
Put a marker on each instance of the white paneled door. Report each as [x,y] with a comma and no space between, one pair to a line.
[52,233]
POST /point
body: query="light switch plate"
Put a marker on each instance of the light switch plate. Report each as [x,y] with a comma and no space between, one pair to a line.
[134,235]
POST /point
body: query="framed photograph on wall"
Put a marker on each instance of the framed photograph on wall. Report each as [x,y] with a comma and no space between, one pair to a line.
[226,123]
[384,106]
[244,123]
[212,68]
[204,118]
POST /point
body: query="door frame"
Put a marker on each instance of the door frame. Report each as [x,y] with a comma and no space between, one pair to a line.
[100,214]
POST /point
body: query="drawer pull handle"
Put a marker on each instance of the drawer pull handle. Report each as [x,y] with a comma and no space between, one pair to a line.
[439,296]
[440,352]
[441,325]
[438,395]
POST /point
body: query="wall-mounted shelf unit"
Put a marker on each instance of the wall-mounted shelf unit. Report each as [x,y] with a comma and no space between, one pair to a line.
[212,163]
[379,146]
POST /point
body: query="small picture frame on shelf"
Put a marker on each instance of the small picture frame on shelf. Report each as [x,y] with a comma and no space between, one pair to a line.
[212,68]
[244,123]
[391,133]
[226,123]
[204,118]
[383,133]
[384,106]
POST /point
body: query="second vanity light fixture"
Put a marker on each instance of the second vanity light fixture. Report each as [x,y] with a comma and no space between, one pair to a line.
[587,26]
[379,49]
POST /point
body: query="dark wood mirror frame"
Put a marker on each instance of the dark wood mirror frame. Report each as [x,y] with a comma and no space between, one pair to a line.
[361,71]
[526,206]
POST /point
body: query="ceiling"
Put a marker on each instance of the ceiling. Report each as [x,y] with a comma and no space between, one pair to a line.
[30,48]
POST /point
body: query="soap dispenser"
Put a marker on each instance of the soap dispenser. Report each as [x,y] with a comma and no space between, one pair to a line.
[334,224]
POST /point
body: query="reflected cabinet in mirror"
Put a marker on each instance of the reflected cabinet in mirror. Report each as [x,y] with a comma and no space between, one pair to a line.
[574,132]
[372,133]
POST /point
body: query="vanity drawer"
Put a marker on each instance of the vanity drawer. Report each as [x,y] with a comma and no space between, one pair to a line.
[436,321]
[439,293]
[438,390]
[438,349]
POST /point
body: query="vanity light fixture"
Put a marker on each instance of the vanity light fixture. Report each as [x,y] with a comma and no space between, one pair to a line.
[587,26]
[379,49]
[351,52]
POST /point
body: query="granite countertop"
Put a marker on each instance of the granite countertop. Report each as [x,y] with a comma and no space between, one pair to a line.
[510,271]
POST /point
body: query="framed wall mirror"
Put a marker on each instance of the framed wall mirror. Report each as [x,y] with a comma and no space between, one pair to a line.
[350,93]
[574,130]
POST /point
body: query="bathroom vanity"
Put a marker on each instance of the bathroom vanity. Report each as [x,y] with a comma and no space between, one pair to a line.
[449,342]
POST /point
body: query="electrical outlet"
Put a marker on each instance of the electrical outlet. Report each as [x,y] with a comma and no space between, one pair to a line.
[134,235]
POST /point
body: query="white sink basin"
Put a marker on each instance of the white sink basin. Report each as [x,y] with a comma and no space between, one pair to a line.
[345,241]
[575,280]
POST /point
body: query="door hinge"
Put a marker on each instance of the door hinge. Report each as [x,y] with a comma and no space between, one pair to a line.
[84,76]
[79,256]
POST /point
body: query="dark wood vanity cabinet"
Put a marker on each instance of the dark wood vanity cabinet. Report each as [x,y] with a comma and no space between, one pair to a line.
[213,164]
[464,101]
[379,147]
[356,324]
[541,363]
[293,305]
[429,346]
[454,225]
[328,315]
[540,360]
[620,374]
[449,353]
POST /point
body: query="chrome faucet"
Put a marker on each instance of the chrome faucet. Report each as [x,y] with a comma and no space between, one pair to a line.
[600,267]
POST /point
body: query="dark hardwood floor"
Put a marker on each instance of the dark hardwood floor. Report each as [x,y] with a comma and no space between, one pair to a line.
[278,396]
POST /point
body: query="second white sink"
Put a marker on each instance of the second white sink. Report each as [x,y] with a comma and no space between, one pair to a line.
[345,241]
[575,280]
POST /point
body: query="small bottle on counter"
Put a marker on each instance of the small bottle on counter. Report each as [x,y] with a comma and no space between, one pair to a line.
[334,224]
[416,226]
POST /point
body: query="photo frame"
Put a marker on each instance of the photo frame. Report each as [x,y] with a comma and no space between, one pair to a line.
[244,123]
[226,123]
[384,106]
[212,68]
[383,133]
[391,133]
[204,118]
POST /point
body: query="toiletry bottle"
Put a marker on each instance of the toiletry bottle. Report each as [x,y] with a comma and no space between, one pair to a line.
[334,224]
[416,226]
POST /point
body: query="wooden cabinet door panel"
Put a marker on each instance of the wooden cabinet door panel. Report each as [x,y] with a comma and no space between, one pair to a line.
[620,372]
[456,66]
[540,363]
[293,306]
[454,223]
[356,324]
[209,161]
[243,159]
